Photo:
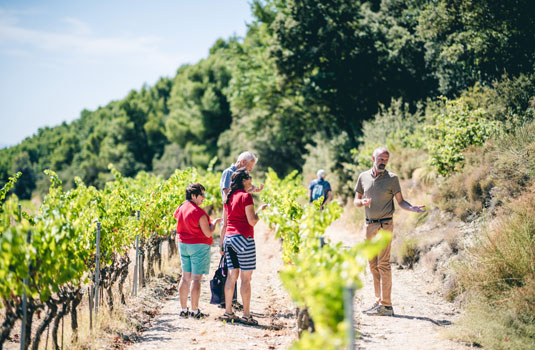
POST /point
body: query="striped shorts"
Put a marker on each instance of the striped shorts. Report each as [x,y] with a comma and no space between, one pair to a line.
[240,252]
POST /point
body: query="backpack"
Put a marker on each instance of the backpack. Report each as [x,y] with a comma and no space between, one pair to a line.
[317,191]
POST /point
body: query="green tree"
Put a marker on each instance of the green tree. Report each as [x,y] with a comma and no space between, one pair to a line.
[198,107]
[346,58]
[477,40]
[26,183]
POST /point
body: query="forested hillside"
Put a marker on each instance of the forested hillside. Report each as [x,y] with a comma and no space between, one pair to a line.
[299,84]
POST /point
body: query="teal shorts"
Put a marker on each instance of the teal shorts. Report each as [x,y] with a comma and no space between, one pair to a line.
[195,258]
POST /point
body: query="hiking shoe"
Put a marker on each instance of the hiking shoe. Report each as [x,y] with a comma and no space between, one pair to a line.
[198,315]
[374,306]
[381,310]
[184,314]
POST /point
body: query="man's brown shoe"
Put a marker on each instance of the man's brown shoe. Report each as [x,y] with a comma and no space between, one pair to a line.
[374,306]
[381,311]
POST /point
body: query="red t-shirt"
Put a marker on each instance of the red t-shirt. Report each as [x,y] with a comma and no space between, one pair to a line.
[189,231]
[236,217]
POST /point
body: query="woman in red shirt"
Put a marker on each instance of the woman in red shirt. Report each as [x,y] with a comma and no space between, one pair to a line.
[239,244]
[194,231]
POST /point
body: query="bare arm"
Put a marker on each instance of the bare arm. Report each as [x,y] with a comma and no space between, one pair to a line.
[214,224]
[256,189]
[361,202]
[205,226]
[309,194]
[252,217]
[328,199]
[407,206]
[223,230]
[225,194]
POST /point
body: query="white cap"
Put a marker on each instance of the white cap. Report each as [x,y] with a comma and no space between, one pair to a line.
[321,173]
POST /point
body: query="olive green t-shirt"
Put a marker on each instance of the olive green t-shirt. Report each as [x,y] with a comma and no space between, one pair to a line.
[381,190]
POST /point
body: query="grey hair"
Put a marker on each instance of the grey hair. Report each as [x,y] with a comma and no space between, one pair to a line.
[248,156]
[379,151]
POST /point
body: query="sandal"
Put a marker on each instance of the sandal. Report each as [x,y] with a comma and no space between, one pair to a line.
[249,320]
[229,317]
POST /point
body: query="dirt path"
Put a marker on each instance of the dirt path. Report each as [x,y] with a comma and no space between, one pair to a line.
[270,304]
[421,315]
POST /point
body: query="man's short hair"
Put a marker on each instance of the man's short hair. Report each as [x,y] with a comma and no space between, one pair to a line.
[321,173]
[248,156]
[379,151]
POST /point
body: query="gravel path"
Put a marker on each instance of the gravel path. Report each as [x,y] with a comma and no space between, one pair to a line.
[270,305]
[421,315]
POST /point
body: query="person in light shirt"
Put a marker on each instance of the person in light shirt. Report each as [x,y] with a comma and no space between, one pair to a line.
[375,191]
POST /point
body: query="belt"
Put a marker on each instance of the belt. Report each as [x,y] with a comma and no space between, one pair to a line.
[380,221]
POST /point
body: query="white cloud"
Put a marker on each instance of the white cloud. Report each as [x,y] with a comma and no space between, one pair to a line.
[17,53]
[79,43]
[78,26]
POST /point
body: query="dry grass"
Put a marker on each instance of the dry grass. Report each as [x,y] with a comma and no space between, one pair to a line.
[498,276]
[408,252]
[491,175]
[499,328]
[352,217]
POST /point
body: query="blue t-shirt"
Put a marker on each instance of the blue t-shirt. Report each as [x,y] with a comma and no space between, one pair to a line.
[225,178]
[326,187]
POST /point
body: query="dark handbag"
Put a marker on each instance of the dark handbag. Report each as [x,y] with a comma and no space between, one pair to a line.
[217,284]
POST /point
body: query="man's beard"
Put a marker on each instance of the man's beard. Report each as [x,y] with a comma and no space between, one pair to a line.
[380,168]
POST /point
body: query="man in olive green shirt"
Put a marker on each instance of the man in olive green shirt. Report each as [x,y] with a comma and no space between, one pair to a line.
[375,191]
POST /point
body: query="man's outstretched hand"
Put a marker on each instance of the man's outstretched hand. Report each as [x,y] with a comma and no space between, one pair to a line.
[418,208]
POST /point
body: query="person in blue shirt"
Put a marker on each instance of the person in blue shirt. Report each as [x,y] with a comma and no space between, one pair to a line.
[320,188]
[245,160]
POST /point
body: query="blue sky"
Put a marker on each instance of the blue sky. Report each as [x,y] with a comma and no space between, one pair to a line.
[59,57]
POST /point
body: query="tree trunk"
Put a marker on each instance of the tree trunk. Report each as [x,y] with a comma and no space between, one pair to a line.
[10,318]
[124,276]
[51,312]
[150,272]
[142,267]
[304,321]
[110,297]
[76,300]
[64,311]
[172,245]
[159,255]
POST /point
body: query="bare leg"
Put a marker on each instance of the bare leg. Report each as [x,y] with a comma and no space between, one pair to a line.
[229,288]
[183,289]
[195,291]
[245,290]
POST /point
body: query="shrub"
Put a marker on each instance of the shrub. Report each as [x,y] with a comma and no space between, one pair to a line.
[510,100]
[408,252]
[453,130]
[499,276]
[400,130]
[499,170]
